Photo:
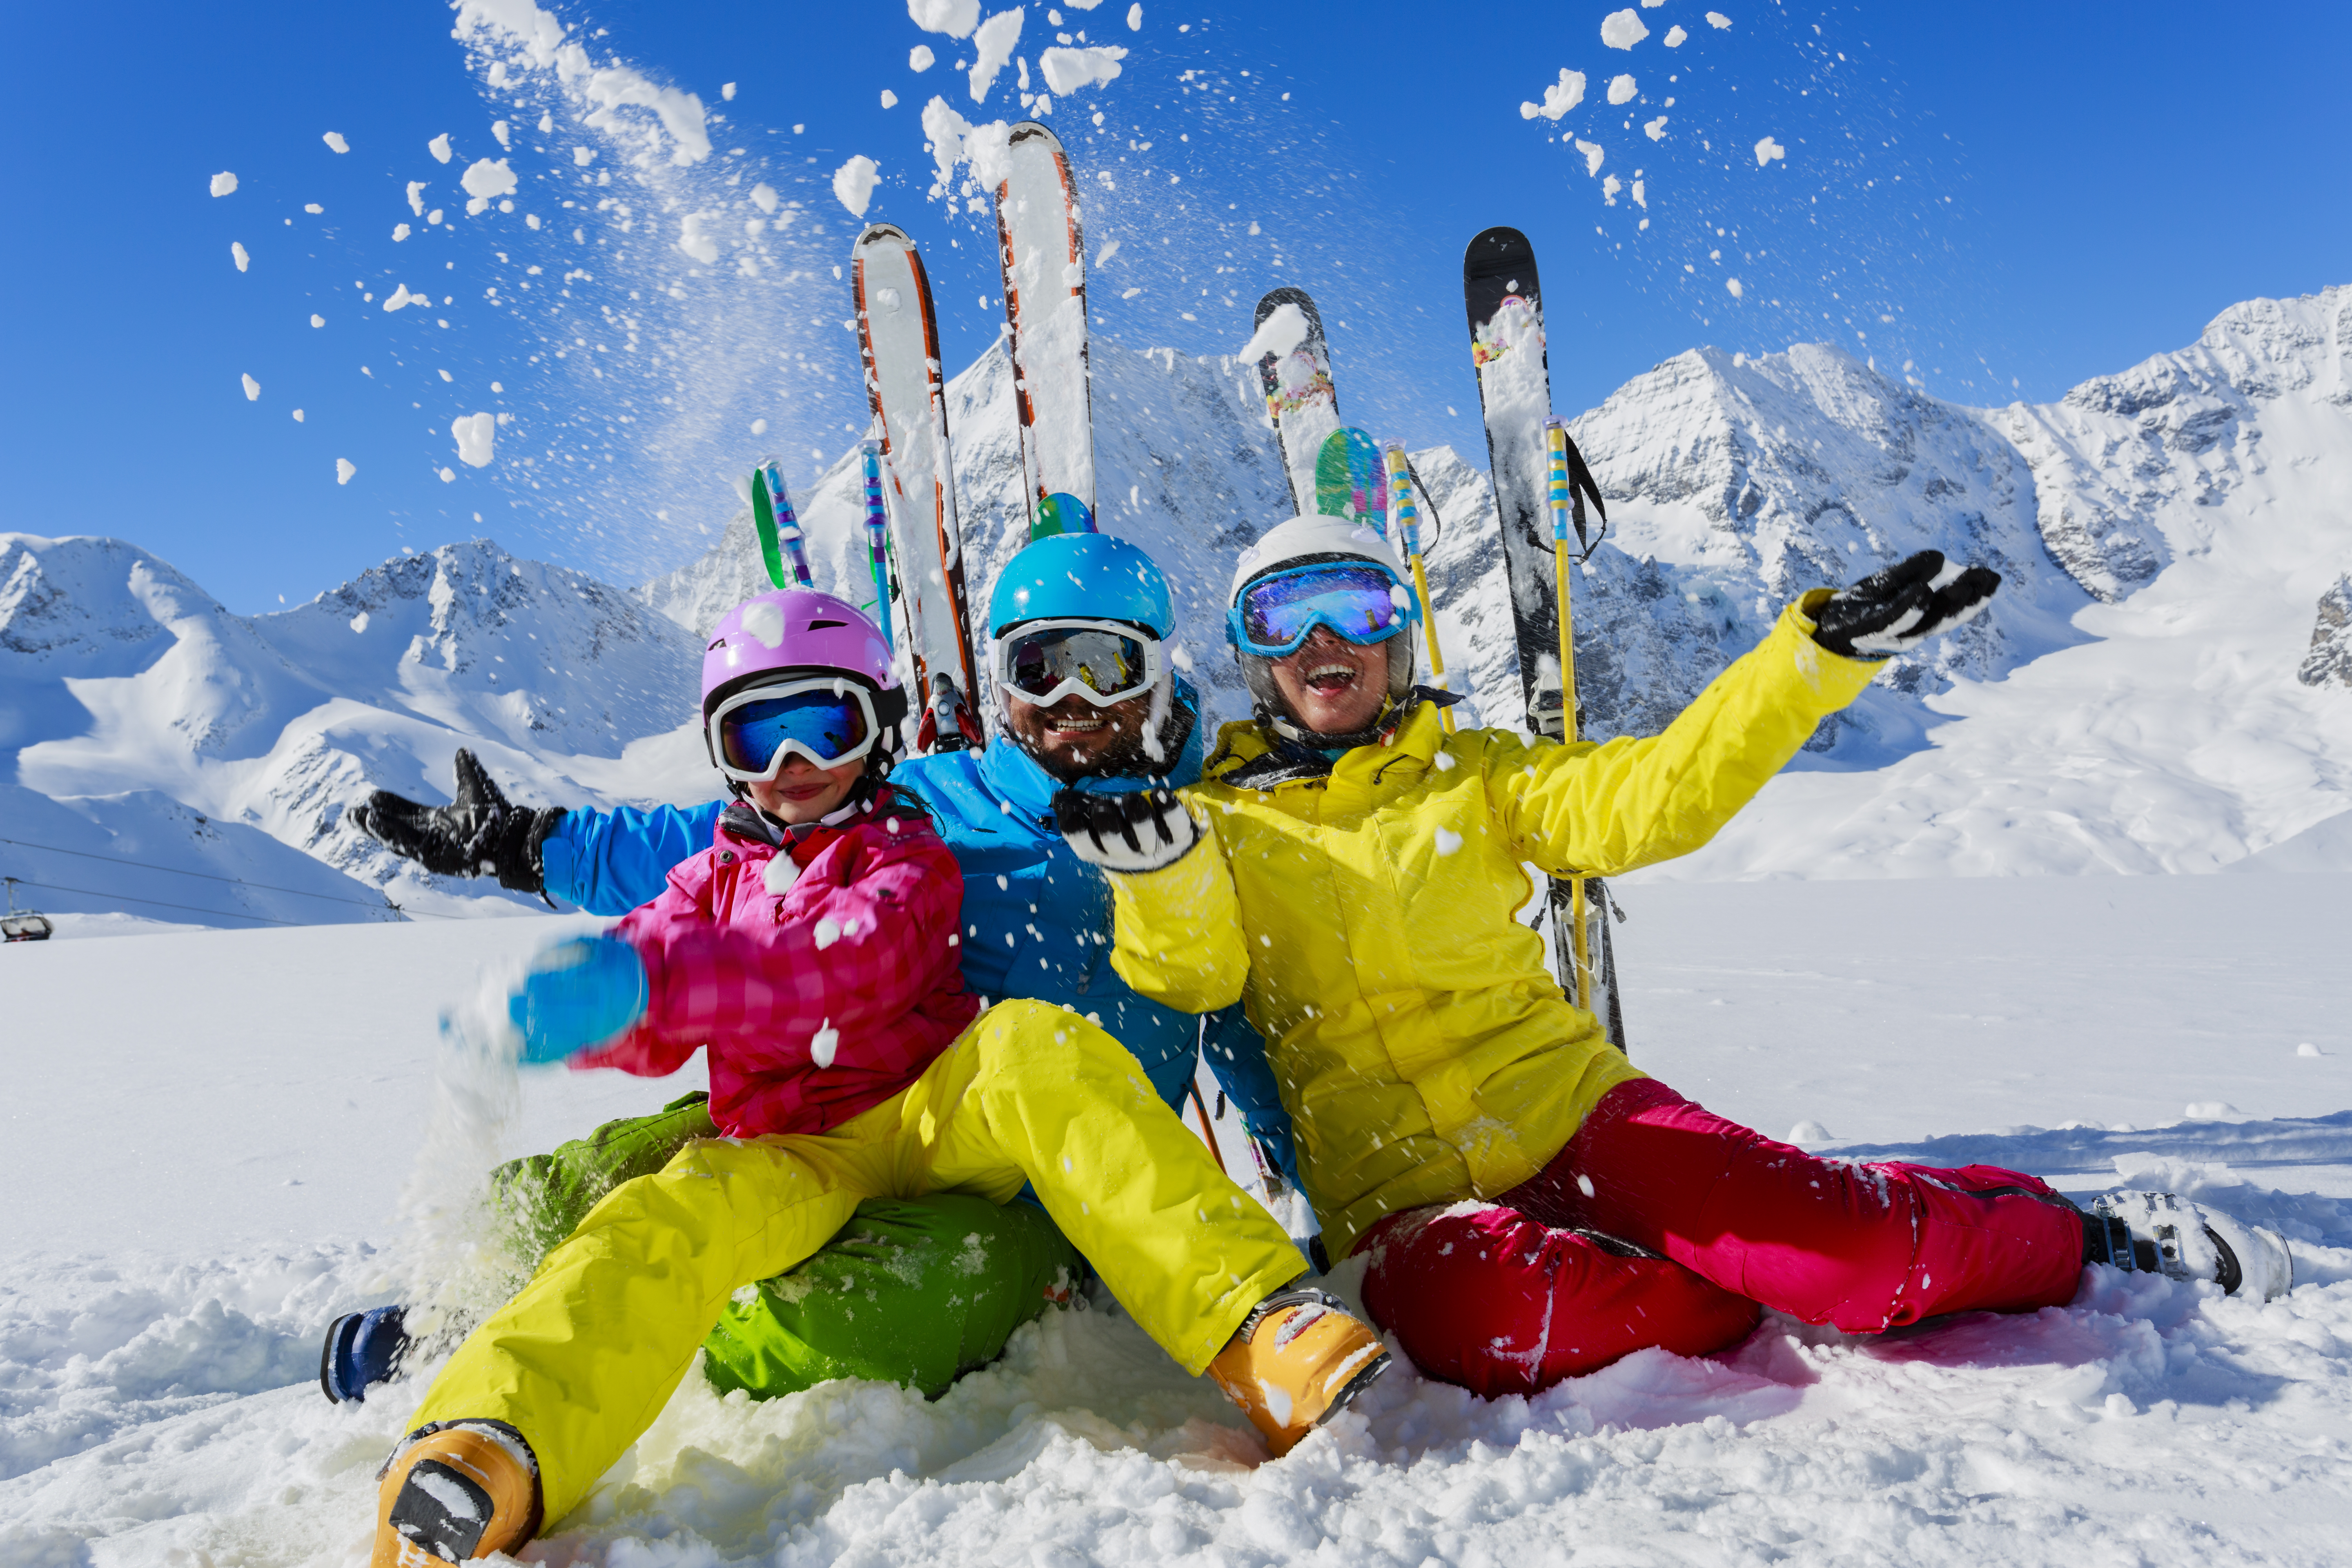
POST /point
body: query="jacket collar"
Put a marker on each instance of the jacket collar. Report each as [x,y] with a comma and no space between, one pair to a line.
[803,839]
[1253,756]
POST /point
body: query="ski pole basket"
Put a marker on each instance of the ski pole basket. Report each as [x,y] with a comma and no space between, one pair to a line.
[24,925]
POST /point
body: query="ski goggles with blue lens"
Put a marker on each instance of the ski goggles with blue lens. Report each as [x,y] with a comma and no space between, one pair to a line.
[825,719]
[1103,662]
[1359,600]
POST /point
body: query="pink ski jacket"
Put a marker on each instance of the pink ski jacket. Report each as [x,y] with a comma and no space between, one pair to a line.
[822,988]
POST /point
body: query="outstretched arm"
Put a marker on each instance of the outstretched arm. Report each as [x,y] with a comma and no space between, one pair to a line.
[609,862]
[1601,810]
[606,862]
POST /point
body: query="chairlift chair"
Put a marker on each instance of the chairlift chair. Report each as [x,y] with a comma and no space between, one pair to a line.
[24,925]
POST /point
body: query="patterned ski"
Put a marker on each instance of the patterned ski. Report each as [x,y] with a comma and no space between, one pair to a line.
[1504,300]
[1300,398]
[1351,479]
[1042,247]
[897,336]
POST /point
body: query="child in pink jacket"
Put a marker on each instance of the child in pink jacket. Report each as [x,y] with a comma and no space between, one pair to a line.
[813,950]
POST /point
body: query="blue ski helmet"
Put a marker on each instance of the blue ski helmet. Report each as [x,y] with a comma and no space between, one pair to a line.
[1084,577]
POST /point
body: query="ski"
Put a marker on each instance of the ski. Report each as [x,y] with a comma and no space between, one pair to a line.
[1042,246]
[1295,375]
[1351,479]
[898,341]
[1538,477]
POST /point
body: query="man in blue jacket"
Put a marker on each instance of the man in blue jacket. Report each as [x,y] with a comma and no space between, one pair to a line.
[1087,698]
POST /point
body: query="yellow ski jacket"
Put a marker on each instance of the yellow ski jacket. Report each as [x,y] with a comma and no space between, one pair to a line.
[1366,919]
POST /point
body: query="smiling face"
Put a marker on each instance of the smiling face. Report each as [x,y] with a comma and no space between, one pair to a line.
[1072,738]
[1332,686]
[802,792]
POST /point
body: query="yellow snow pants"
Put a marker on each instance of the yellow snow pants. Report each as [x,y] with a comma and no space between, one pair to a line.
[583,1359]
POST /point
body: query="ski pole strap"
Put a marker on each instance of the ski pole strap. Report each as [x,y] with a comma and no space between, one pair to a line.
[1400,469]
[1436,517]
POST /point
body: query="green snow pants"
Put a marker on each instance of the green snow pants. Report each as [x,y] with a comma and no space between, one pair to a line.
[912,1290]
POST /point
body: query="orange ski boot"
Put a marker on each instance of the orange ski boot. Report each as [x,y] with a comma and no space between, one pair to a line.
[455,1493]
[1299,1357]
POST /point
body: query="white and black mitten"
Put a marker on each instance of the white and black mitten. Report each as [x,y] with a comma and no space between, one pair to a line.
[1895,610]
[1142,830]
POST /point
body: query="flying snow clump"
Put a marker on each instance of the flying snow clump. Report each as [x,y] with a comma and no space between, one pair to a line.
[1135,17]
[1624,30]
[335,142]
[236,254]
[889,98]
[694,241]
[1733,284]
[1717,19]
[1621,90]
[476,433]
[1655,129]
[224,184]
[992,46]
[956,18]
[1593,153]
[1559,99]
[344,470]
[1676,37]
[1768,149]
[1066,70]
[854,182]
[252,389]
[439,147]
[486,178]
[920,58]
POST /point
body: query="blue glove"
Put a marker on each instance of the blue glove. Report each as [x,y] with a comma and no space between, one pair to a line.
[579,994]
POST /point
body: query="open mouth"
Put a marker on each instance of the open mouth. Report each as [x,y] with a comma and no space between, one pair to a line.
[1330,679]
[1075,723]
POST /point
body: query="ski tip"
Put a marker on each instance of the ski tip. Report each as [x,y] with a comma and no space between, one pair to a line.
[878,233]
[1061,512]
[1500,245]
[1275,298]
[1032,131]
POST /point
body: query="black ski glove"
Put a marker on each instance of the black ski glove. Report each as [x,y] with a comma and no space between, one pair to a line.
[480,830]
[1144,830]
[1895,610]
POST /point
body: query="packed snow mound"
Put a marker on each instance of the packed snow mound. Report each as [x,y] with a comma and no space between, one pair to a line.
[119,679]
[159,1341]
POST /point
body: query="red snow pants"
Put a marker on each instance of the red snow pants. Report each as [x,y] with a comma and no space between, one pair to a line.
[1512,1296]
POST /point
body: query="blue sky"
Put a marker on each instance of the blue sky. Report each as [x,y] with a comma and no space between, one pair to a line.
[2007,198]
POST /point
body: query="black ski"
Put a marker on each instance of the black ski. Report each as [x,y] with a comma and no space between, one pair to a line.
[1503,297]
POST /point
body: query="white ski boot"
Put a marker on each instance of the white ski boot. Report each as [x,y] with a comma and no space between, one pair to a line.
[2160,1233]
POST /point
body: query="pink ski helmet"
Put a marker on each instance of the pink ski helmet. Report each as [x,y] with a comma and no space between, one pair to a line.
[793,633]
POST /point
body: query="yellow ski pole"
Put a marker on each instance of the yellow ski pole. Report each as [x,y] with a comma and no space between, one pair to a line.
[1409,529]
[1562,504]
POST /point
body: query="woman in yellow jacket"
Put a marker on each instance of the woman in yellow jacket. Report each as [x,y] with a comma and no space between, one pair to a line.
[1533,1205]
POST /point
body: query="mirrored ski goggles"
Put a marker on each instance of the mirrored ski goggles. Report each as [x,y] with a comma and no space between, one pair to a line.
[825,719]
[1102,661]
[1357,600]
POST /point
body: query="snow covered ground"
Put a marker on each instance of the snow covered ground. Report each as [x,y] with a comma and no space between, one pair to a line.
[207,1134]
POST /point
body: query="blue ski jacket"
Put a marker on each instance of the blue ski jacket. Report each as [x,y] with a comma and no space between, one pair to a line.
[1037,920]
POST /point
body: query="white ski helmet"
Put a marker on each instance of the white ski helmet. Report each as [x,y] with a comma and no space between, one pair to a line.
[1304,541]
